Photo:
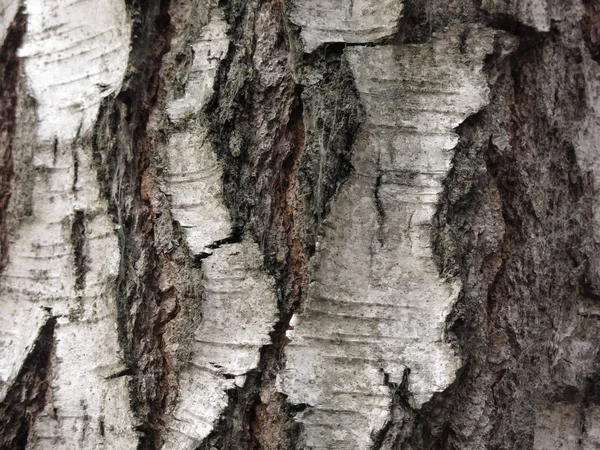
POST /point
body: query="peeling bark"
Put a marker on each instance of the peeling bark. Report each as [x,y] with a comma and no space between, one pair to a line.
[27,395]
[286,225]
[13,28]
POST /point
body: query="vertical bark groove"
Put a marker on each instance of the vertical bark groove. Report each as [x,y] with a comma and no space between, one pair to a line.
[277,184]
[10,71]
[360,225]
[26,398]
[123,152]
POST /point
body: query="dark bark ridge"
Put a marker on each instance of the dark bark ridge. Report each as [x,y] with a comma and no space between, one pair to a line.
[278,181]
[10,71]
[122,153]
[26,397]
[513,223]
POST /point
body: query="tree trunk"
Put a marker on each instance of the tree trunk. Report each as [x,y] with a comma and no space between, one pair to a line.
[313,224]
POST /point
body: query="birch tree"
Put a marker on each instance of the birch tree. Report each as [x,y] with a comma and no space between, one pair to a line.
[299,224]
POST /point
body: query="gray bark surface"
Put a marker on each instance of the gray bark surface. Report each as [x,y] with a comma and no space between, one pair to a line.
[301,224]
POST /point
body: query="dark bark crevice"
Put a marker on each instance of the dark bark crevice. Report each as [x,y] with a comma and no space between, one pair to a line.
[10,72]
[401,418]
[511,225]
[78,239]
[26,397]
[122,150]
[235,238]
[285,149]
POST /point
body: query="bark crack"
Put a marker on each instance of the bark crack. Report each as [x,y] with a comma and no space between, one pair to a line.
[378,203]
[235,238]
[78,239]
[26,398]
[10,71]
[122,151]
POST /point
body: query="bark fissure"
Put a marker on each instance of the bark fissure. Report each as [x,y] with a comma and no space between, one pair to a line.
[321,239]
[123,151]
[10,71]
[270,210]
[78,239]
[400,413]
[26,397]
[235,238]
[378,206]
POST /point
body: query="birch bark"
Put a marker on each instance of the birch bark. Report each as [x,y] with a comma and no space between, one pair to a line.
[299,225]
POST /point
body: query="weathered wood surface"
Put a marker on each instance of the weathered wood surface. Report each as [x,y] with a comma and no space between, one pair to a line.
[304,224]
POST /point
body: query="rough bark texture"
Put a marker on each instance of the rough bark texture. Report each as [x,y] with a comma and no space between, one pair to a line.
[300,224]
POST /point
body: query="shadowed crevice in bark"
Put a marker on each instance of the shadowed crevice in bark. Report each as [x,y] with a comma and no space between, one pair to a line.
[10,71]
[235,238]
[590,25]
[122,153]
[26,397]
[401,419]
[270,422]
[284,144]
[512,225]
[78,240]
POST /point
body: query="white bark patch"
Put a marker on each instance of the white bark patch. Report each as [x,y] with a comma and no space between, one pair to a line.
[357,21]
[84,409]
[194,180]
[8,10]
[209,50]
[65,257]
[238,313]
[376,304]
[240,307]
[20,323]
[75,53]
[194,174]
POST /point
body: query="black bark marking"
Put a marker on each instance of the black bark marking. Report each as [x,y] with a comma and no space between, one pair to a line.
[121,373]
[78,239]
[379,206]
[235,238]
[26,398]
[10,71]
[101,425]
[55,150]
[75,155]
